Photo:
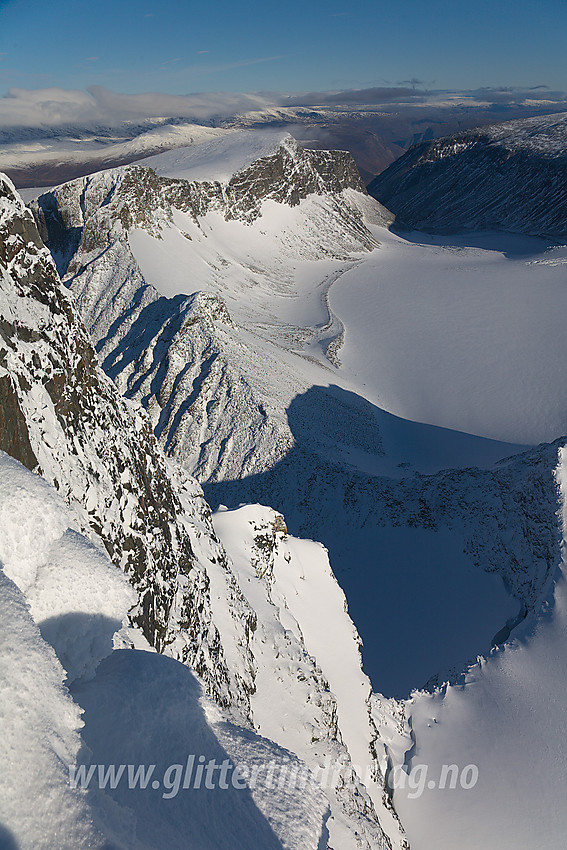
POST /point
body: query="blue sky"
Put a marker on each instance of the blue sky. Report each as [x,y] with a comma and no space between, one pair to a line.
[182,47]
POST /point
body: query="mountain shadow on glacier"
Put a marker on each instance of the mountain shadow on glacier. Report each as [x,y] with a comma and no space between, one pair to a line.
[433,565]
[512,245]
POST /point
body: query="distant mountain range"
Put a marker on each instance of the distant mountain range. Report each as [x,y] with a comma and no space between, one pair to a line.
[374,135]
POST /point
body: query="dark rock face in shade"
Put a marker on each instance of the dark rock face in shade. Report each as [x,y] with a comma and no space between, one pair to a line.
[510,176]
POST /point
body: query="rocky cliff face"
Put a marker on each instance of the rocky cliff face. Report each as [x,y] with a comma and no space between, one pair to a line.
[138,196]
[63,418]
[511,176]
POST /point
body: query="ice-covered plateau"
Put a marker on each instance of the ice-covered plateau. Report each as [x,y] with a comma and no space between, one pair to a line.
[229,621]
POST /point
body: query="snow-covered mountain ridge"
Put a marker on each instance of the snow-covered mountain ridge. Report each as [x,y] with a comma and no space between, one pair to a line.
[215,307]
[63,418]
[112,233]
[509,176]
[238,394]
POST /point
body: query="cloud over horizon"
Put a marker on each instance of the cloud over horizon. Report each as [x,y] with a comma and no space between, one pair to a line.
[56,108]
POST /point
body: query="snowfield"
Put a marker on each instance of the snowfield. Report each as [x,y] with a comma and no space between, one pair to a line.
[143,709]
[462,333]
[219,157]
[298,601]
[40,725]
[465,333]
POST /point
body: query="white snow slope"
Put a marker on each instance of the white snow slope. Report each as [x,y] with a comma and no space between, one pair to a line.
[219,157]
[140,708]
[76,596]
[40,723]
[304,646]
[465,333]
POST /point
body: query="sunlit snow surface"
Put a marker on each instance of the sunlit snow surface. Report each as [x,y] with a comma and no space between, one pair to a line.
[61,601]
[464,332]
[76,596]
[303,591]
[218,158]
